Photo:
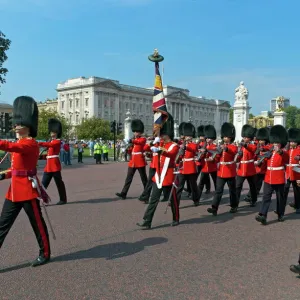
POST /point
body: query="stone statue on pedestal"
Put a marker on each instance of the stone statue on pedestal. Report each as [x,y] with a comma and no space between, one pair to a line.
[279,103]
[241,93]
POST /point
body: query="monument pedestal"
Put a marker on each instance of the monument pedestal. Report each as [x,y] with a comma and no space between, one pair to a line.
[280,118]
[127,125]
[240,118]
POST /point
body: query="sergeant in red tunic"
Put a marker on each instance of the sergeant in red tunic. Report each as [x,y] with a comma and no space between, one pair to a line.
[53,165]
[209,163]
[164,179]
[246,167]
[189,168]
[24,189]
[226,170]
[291,175]
[137,160]
[275,175]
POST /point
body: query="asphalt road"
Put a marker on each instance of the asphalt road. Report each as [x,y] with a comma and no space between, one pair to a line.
[101,254]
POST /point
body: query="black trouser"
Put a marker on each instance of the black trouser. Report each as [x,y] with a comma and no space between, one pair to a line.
[259,182]
[192,179]
[154,199]
[105,156]
[267,199]
[231,182]
[80,157]
[296,190]
[148,188]
[9,213]
[98,158]
[207,184]
[252,187]
[47,176]
[204,178]
[129,178]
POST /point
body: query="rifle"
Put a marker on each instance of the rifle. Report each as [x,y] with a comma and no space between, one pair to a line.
[216,152]
[239,153]
[267,155]
[202,153]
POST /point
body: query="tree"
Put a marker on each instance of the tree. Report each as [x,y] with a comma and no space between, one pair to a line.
[44,116]
[251,116]
[231,115]
[297,120]
[4,46]
[291,114]
[94,128]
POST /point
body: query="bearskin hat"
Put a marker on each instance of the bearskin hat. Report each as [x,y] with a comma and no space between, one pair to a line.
[180,128]
[210,132]
[25,113]
[228,130]
[54,125]
[168,127]
[294,135]
[137,126]
[278,134]
[263,134]
[200,131]
[248,131]
[189,130]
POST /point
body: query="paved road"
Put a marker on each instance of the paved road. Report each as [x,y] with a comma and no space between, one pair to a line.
[100,254]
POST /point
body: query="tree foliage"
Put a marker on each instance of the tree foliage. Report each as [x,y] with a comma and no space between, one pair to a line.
[4,46]
[251,116]
[44,116]
[94,128]
[292,116]
[231,115]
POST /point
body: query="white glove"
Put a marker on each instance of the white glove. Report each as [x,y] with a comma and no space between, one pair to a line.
[156,140]
[126,141]
[154,149]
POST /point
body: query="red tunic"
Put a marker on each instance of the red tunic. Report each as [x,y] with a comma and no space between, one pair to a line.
[227,166]
[189,164]
[147,148]
[262,168]
[276,168]
[137,156]
[209,166]
[167,165]
[25,154]
[292,162]
[246,166]
[53,161]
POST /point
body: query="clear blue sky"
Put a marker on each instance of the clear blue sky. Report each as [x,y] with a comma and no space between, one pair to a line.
[209,45]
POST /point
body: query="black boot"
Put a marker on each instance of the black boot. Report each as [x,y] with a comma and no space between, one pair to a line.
[121,195]
[295,269]
[175,223]
[61,202]
[145,225]
[212,211]
[41,260]
[261,219]
[233,210]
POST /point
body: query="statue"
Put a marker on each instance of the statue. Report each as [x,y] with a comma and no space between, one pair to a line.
[241,93]
[279,103]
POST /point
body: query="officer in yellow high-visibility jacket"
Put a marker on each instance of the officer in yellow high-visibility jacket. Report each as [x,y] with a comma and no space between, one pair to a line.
[105,152]
[98,152]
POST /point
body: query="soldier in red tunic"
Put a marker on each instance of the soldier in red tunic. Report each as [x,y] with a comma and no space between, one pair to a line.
[188,171]
[226,170]
[24,190]
[137,160]
[164,176]
[209,166]
[246,167]
[291,175]
[275,175]
[53,165]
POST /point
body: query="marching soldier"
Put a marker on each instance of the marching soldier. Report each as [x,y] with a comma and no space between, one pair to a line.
[53,165]
[164,176]
[246,167]
[137,160]
[209,166]
[275,175]
[25,189]
[226,170]
[291,175]
[189,170]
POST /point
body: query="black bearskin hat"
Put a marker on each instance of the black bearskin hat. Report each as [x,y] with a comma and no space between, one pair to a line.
[294,135]
[180,129]
[25,113]
[263,134]
[228,130]
[210,132]
[137,126]
[189,130]
[200,131]
[279,135]
[248,131]
[54,125]
[168,128]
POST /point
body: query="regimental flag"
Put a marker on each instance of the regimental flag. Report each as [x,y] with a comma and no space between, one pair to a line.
[159,106]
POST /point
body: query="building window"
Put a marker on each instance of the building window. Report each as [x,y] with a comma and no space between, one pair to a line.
[70,103]
[62,104]
[77,119]
[77,103]
[86,101]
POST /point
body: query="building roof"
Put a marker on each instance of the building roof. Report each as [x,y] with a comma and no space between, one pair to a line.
[5,105]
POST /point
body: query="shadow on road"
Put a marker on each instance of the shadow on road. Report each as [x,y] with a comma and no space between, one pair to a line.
[112,251]
[100,200]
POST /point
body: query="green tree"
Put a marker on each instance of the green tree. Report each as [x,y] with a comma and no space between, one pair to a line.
[44,116]
[297,120]
[231,115]
[251,116]
[4,46]
[94,128]
[291,113]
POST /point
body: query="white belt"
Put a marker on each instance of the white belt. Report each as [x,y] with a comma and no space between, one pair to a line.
[52,156]
[275,168]
[246,161]
[188,159]
[135,153]
[155,154]
[293,165]
[226,162]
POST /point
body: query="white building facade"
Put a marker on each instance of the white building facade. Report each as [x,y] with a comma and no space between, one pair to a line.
[107,99]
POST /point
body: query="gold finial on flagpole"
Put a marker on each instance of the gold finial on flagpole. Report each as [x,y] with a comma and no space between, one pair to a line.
[155,57]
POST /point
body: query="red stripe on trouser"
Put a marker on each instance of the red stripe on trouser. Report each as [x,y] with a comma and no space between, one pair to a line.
[41,227]
[175,205]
